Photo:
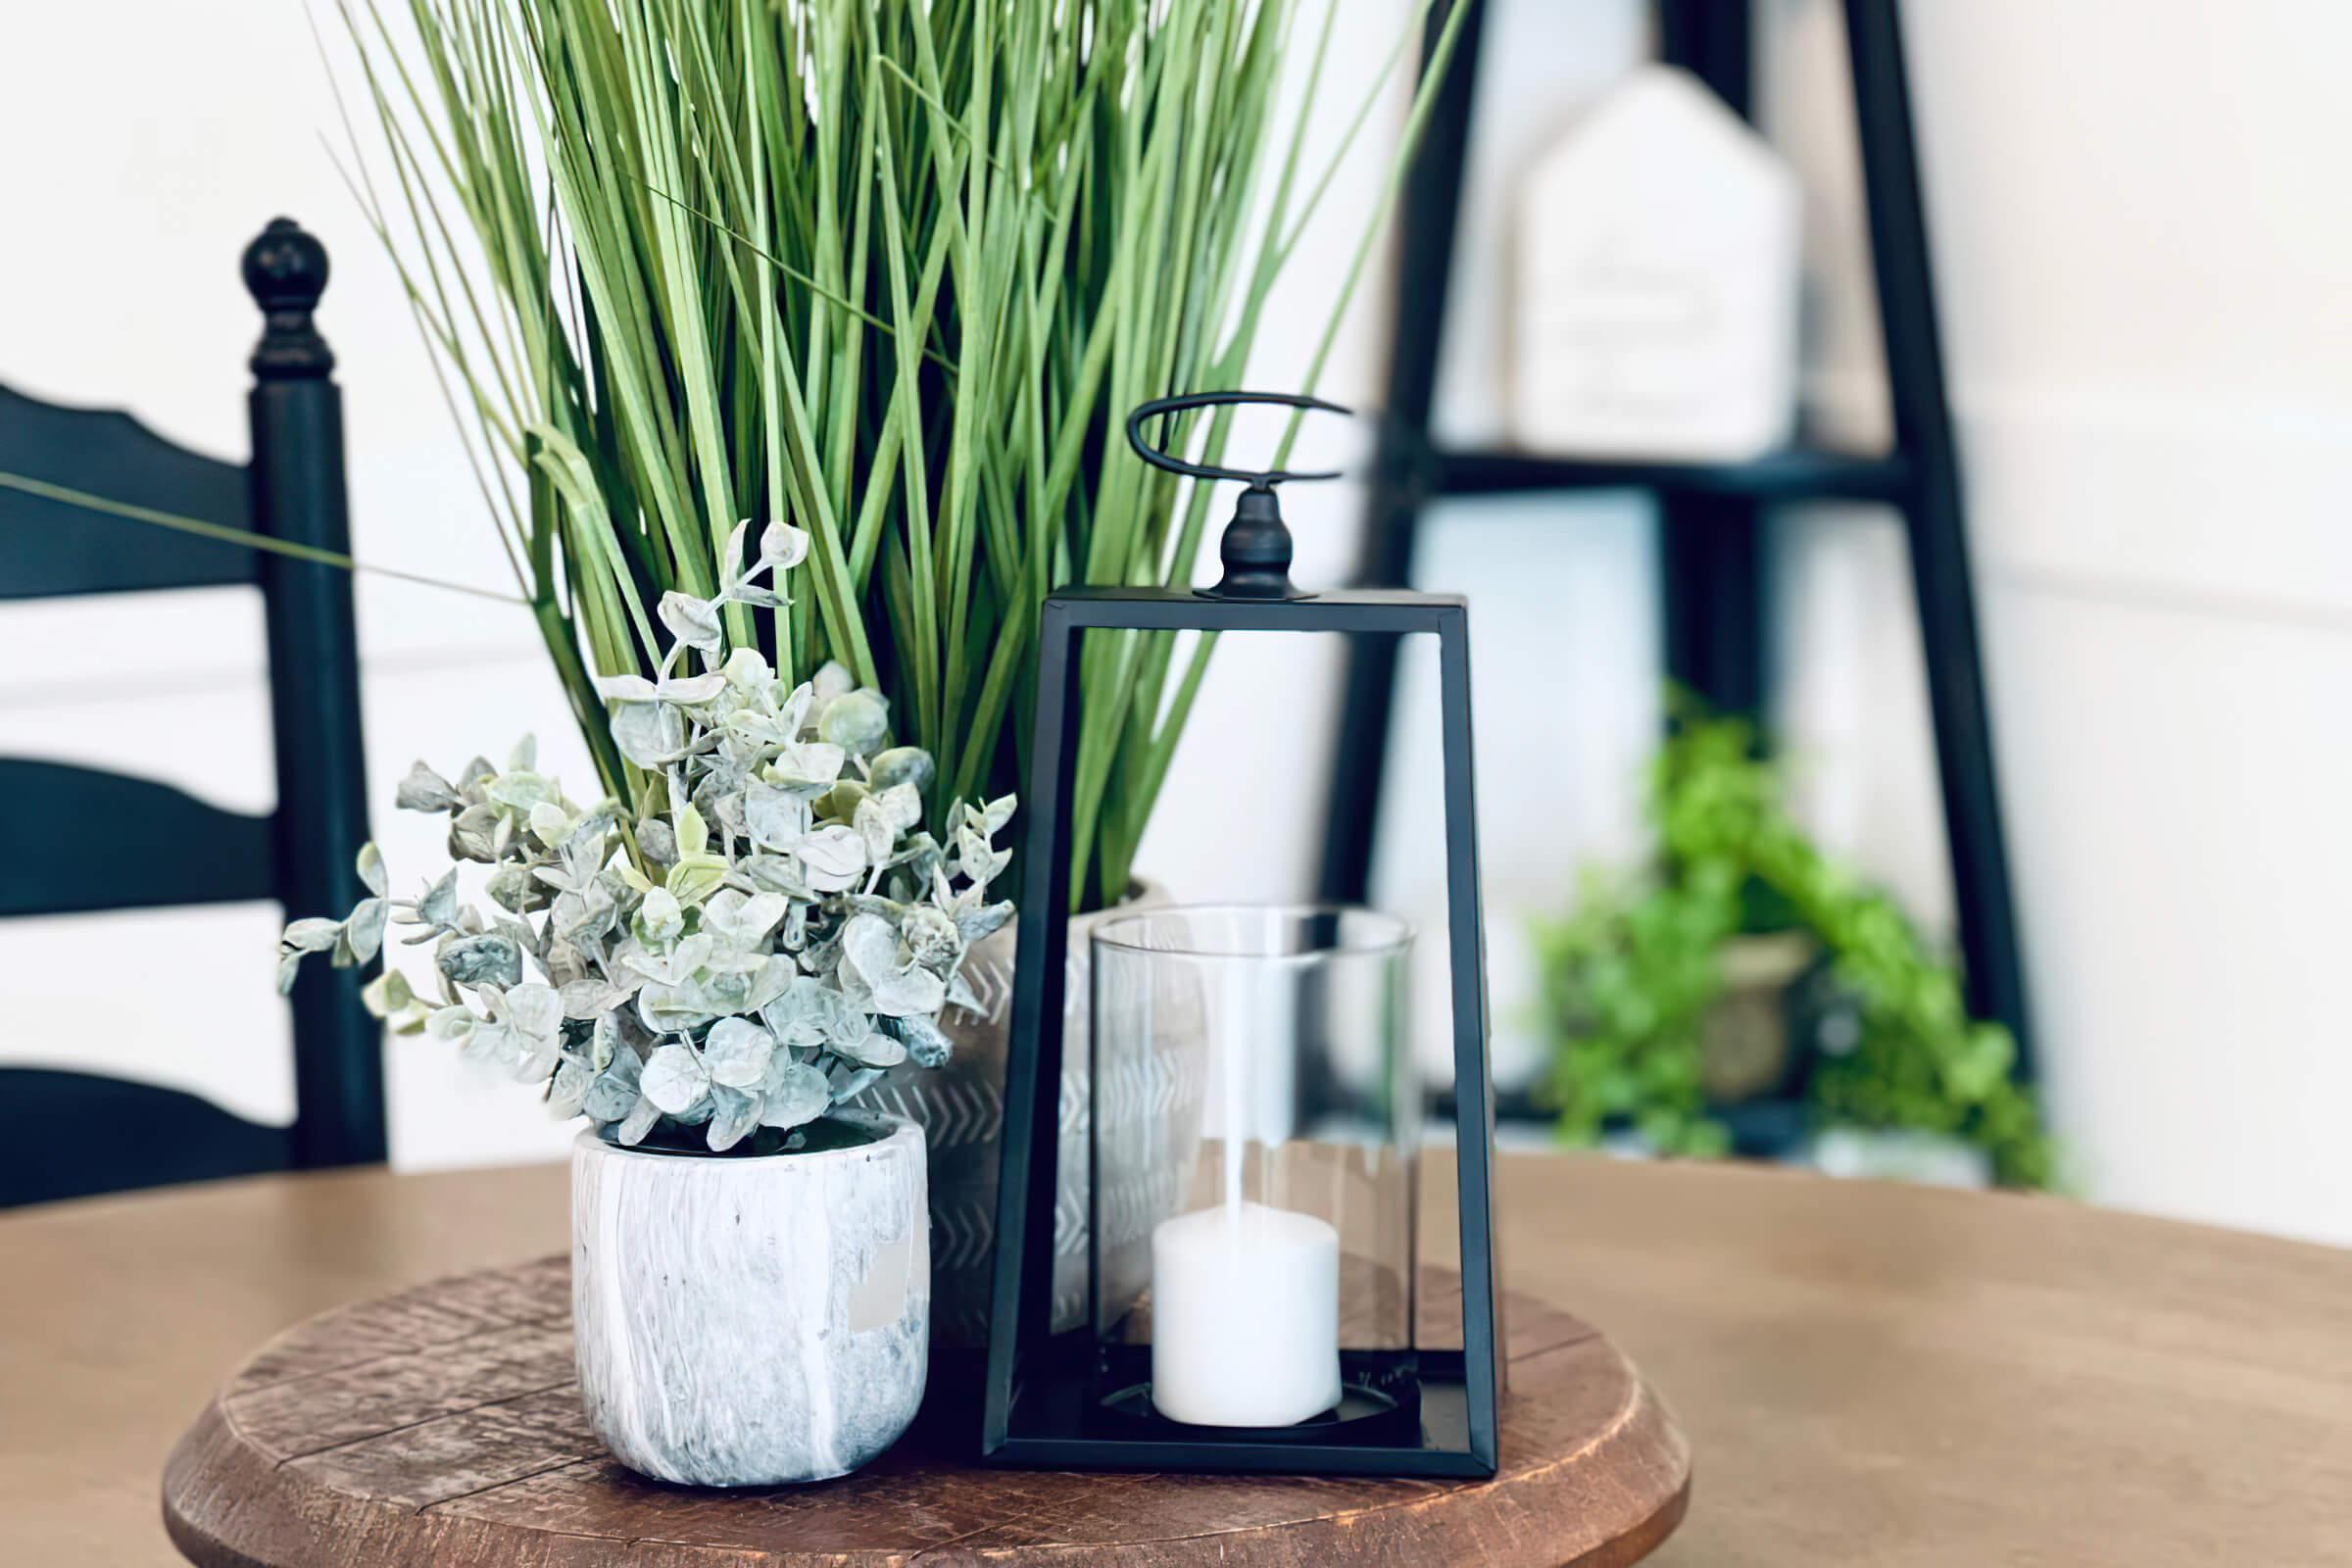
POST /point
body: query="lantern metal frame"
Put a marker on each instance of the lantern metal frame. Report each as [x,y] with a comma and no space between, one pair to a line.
[1039,1406]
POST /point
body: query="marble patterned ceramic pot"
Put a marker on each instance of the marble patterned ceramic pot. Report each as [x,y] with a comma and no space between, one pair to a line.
[752,1321]
[960,1107]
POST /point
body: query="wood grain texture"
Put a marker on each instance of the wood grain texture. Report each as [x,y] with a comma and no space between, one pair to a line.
[1869,1374]
[438,1425]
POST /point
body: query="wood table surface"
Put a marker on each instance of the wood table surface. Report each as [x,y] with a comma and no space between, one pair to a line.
[1867,1373]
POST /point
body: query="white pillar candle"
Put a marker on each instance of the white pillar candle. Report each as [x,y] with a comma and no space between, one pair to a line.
[1244,1316]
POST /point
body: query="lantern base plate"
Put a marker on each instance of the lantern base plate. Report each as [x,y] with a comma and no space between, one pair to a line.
[1362,1408]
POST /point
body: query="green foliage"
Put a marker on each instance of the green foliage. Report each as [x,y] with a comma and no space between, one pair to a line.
[891,270]
[1629,977]
[756,939]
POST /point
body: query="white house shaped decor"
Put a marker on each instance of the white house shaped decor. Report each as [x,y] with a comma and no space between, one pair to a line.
[1657,278]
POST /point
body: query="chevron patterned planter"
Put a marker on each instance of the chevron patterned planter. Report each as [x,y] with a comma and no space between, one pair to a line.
[960,1108]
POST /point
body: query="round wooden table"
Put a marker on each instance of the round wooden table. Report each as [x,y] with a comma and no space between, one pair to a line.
[1867,1373]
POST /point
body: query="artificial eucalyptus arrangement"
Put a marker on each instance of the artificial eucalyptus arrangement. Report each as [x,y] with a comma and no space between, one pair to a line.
[1629,976]
[753,943]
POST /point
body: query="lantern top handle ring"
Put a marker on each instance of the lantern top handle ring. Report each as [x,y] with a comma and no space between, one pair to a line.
[1255,480]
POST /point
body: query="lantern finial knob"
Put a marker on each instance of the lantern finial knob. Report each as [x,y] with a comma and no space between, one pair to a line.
[1256,545]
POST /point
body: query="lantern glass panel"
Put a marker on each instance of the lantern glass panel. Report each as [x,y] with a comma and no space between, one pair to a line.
[1253,1247]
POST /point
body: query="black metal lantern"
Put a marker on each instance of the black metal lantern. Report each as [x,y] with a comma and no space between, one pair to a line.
[1073,1400]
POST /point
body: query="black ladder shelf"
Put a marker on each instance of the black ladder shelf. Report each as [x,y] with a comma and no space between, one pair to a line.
[1708,514]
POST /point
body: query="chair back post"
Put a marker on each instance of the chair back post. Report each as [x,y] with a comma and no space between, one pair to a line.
[321,819]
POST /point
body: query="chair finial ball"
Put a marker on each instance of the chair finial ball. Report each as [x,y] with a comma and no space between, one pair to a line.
[285,266]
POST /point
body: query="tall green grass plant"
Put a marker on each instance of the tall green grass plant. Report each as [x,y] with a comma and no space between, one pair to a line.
[891,270]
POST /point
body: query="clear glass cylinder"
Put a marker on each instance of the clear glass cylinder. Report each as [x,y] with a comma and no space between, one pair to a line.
[1254,1235]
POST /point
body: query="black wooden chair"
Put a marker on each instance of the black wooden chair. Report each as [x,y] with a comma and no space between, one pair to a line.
[73,840]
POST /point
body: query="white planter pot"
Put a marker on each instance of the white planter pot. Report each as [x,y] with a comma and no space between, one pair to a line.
[750,1321]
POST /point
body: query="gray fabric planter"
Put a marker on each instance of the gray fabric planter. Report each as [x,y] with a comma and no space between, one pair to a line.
[744,1322]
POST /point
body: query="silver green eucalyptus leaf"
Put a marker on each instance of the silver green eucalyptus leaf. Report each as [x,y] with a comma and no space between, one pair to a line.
[661,919]
[515,889]
[693,691]
[481,961]
[902,765]
[902,806]
[831,681]
[931,939]
[568,1089]
[592,997]
[857,721]
[616,1093]
[782,546]
[562,962]
[802,1016]
[833,859]
[473,833]
[362,935]
[977,923]
[492,1043]
[521,791]
[671,966]
[651,735]
[423,789]
[693,621]
[809,768]
[658,842]
[668,1008]
[637,1123]
[877,1050]
[748,670]
[777,817]
[388,996]
[793,1094]
[997,814]
[312,935]
[778,874]
[840,803]
[550,822]
[674,1079]
[618,689]
[927,1044]
[371,866]
[535,1009]
[452,1023]
[732,568]
[607,1042]
[872,824]
[438,909]
[872,963]
[733,1113]
[737,1053]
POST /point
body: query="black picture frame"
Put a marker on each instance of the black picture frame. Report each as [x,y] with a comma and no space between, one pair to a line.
[1037,1407]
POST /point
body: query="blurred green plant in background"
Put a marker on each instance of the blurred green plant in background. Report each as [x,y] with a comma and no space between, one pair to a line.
[1630,976]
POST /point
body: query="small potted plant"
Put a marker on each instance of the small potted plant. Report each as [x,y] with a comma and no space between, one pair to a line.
[1679,1002]
[711,976]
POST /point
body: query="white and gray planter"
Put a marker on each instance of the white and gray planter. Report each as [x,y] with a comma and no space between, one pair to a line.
[752,1321]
